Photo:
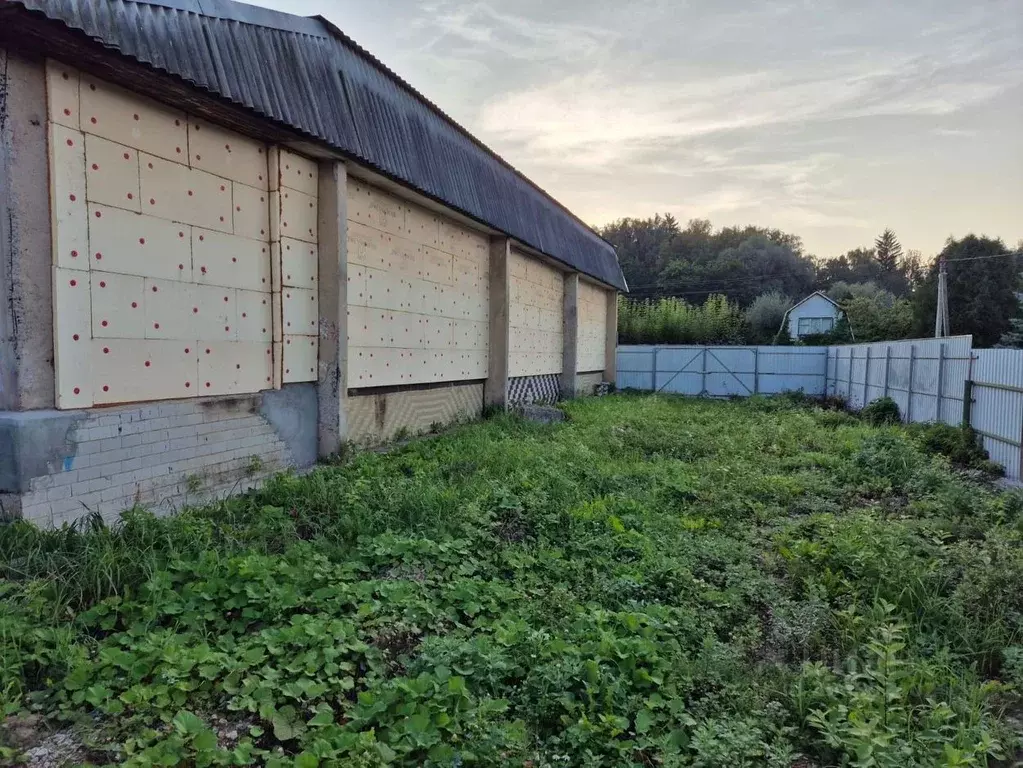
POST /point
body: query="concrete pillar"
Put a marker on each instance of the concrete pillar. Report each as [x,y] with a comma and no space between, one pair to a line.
[332,378]
[26,260]
[495,391]
[570,344]
[611,338]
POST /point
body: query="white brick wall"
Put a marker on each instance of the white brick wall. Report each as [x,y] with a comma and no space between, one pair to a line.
[160,456]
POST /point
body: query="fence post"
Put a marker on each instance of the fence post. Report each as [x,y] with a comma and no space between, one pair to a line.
[909,399]
[756,370]
[653,372]
[866,378]
[887,367]
[967,403]
[941,380]
[848,378]
[703,373]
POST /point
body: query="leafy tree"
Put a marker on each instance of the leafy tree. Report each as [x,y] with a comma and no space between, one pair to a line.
[674,321]
[642,246]
[888,251]
[879,316]
[1013,337]
[765,316]
[983,279]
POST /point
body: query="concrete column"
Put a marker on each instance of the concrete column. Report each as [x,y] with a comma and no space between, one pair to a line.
[570,329]
[26,260]
[611,338]
[332,378]
[495,391]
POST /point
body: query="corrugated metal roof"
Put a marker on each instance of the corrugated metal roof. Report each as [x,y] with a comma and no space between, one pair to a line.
[306,74]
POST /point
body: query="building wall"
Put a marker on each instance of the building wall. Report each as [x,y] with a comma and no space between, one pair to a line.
[815,306]
[592,314]
[536,317]
[418,308]
[184,254]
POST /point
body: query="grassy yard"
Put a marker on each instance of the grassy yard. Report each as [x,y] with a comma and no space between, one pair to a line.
[658,582]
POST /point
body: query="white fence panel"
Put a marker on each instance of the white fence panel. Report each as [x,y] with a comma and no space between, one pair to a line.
[924,376]
[997,408]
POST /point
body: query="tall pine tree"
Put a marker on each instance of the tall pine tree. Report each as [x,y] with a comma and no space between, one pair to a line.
[888,251]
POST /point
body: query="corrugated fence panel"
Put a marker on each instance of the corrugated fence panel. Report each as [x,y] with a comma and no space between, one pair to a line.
[909,372]
[997,411]
[635,368]
[792,369]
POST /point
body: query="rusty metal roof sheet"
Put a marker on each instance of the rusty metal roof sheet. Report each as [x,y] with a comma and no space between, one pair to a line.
[306,74]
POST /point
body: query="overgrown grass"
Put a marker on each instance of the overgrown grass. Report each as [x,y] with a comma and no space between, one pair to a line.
[658,581]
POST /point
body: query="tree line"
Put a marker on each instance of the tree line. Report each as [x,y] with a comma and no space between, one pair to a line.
[695,284]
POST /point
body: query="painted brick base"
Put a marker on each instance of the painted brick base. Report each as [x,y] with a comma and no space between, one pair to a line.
[527,390]
[587,383]
[160,456]
[376,417]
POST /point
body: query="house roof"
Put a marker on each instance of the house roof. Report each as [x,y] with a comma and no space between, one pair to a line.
[807,298]
[305,74]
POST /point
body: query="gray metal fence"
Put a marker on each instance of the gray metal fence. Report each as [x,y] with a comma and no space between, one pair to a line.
[722,371]
[930,379]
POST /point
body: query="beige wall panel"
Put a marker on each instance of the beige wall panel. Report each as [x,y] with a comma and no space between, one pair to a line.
[234,367]
[135,244]
[230,261]
[112,174]
[175,192]
[535,317]
[188,311]
[375,208]
[130,119]
[299,264]
[69,226]
[422,226]
[62,94]
[251,212]
[299,311]
[126,370]
[298,172]
[438,333]
[254,316]
[217,318]
[227,154]
[275,216]
[298,215]
[437,266]
[592,327]
[72,321]
[276,301]
[299,358]
[418,287]
[118,306]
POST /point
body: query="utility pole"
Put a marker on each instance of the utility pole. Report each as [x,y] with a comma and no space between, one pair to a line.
[941,323]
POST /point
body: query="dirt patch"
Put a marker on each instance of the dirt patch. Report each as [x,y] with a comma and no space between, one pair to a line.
[40,745]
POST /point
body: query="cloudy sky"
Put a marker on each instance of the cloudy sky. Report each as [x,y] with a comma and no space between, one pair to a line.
[832,119]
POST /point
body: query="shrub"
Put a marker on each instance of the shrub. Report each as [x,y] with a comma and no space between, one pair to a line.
[674,321]
[960,445]
[881,412]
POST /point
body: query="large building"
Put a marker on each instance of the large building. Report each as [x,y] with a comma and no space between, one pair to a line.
[231,240]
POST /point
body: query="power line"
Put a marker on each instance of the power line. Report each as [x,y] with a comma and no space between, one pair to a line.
[989,256]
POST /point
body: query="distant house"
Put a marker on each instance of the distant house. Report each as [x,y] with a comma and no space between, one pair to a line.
[813,315]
